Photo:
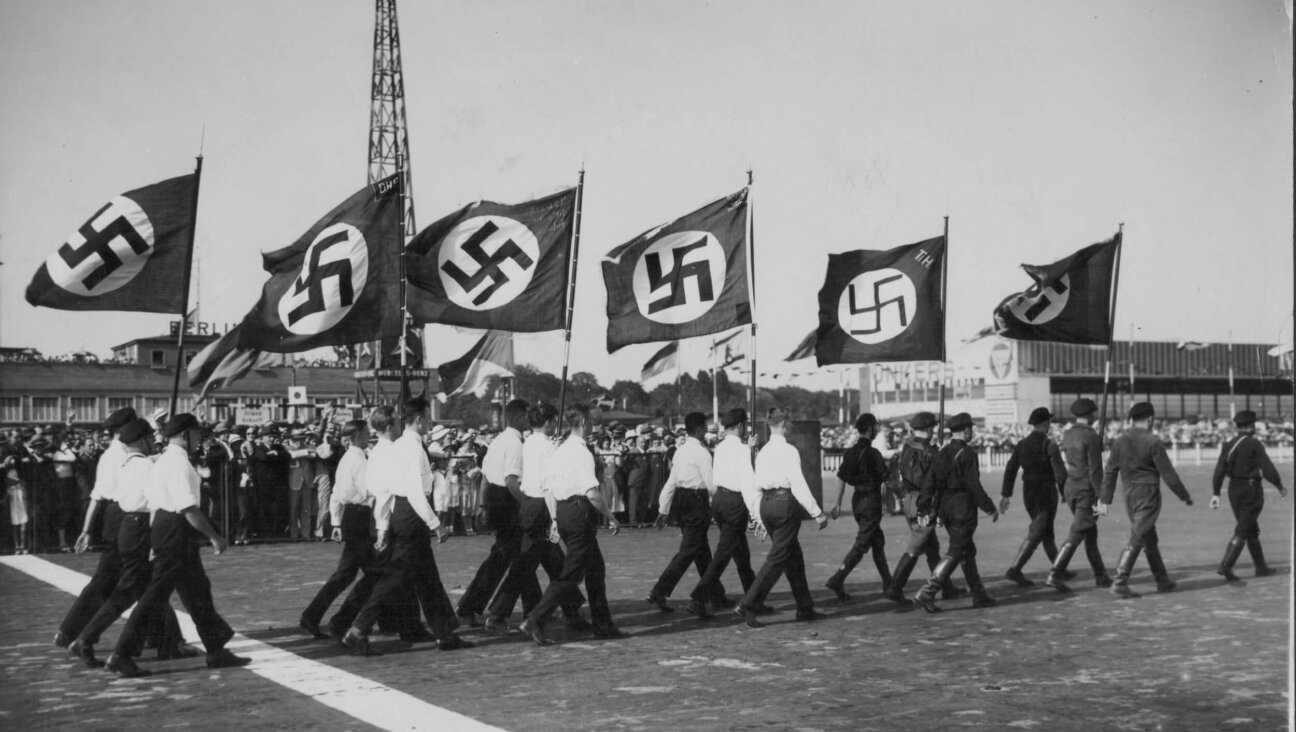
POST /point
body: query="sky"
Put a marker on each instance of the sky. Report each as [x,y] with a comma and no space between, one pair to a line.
[1036,127]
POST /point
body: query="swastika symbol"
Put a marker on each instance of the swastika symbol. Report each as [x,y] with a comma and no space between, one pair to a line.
[877,306]
[675,293]
[1037,305]
[488,264]
[99,241]
[313,276]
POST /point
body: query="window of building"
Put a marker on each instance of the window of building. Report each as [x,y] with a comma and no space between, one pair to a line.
[11,409]
[45,409]
[115,403]
[156,404]
[86,409]
[189,356]
[157,358]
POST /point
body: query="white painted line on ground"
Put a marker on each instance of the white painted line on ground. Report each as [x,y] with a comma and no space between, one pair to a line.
[364,699]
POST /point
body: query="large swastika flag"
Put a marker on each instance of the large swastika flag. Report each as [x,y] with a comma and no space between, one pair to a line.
[682,279]
[131,255]
[495,266]
[880,306]
[336,285]
[1069,301]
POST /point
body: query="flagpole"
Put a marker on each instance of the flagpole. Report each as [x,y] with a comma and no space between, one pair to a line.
[184,300]
[571,289]
[715,389]
[1232,393]
[1111,334]
[1132,398]
[404,306]
[751,294]
[940,423]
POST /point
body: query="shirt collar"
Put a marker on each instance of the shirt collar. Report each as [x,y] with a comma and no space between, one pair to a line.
[777,438]
[516,432]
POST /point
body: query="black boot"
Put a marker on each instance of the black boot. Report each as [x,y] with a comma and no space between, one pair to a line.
[1064,555]
[837,583]
[1094,555]
[1014,572]
[1159,573]
[1232,551]
[1257,557]
[903,569]
[883,569]
[973,574]
[1124,566]
[940,577]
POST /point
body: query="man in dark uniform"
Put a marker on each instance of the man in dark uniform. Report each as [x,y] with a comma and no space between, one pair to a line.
[916,456]
[1043,475]
[1082,458]
[953,492]
[173,496]
[1245,463]
[1141,460]
[864,468]
[269,467]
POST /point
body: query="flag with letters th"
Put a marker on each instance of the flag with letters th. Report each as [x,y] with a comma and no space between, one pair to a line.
[131,255]
[338,284]
[495,266]
[682,279]
[882,306]
[1069,301]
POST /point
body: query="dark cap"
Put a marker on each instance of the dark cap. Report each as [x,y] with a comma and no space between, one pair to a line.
[1039,415]
[864,422]
[268,430]
[119,418]
[1142,410]
[135,429]
[1083,407]
[959,422]
[1244,418]
[734,416]
[179,423]
[922,421]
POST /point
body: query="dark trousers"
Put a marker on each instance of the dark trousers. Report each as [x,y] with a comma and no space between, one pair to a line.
[866,505]
[357,554]
[730,514]
[176,567]
[692,511]
[132,543]
[959,515]
[535,551]
[1143,503]
[242,512]
[106,575]
[578,524]
[781,515]
[1041,503]
[1083,521]
[1246,497]
[922,539]
[502,518]
[411,560]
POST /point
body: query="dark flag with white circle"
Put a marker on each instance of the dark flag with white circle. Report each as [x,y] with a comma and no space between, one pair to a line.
[1069,301]
[880,306]
[682,279]
[338,284]
[495,266]
[131,255]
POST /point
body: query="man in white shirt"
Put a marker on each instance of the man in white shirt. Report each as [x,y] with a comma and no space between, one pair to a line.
[351,507]
[397,474]
[173,495]
[783,489]
[572,493]
[732,510]
[502,467]
[688,492]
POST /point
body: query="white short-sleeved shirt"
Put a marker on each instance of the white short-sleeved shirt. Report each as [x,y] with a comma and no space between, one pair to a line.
[173,483]
[691,470]
[349,484]
[571,470]
[778,465]
[133,479]
[105,487]
[400,469]
[503,457]
[537,451]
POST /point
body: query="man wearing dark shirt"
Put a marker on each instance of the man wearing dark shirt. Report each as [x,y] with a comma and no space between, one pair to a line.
[1141,460]
[1082,457]
[864,468]
[1244,462]
[1043,474]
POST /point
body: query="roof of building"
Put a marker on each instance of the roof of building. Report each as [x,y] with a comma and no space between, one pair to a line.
[91,378]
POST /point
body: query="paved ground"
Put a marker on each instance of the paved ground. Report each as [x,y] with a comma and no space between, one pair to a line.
[1209,656]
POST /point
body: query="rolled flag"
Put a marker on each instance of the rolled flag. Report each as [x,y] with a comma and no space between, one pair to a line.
[494,265]
[468,374]
[130,256]
[882,306]
[222,363]
[1069,302]
[804,349]
[338,284]
[662,364]
[682,279]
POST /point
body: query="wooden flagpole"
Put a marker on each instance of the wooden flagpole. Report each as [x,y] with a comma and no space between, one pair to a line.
[1111,334]
[571,290]
[940,423]
[184,301]
[1232,391]
[404,306]
[751,296]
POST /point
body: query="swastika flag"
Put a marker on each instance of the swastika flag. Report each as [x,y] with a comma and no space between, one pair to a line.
[131,255]
[338,284]
[1069,301]
[494,266]
[878,306]
[682,279]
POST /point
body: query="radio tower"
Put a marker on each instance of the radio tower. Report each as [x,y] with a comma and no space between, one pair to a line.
[389,152]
